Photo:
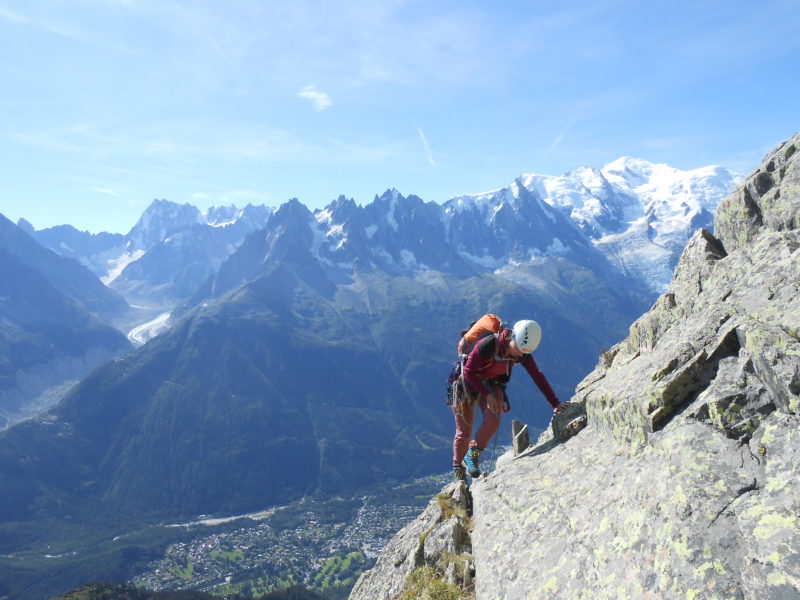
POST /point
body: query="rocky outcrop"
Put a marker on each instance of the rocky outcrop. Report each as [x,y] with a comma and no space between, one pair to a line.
[726,332]
[767,200]
[436,544]
[685,482]
[694,514]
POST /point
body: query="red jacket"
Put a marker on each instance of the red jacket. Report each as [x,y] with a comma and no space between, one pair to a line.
[487,361]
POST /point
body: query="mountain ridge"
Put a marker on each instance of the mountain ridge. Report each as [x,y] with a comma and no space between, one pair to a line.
[52,324]
[637,214]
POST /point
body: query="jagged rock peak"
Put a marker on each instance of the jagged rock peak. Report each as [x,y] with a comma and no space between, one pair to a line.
[338,211]
[391,194]
[168,208]
[160,219]
[219,215]
[291,210]
[26,226]
[766,199]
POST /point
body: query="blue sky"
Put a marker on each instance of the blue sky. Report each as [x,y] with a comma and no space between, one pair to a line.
[108,104]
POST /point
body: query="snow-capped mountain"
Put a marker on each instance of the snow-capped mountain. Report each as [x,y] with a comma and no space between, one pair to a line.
[169,251]
[159,220]
[464,236]
[628,221]
[404,236]
[639,214]
[513,224]
[163,218]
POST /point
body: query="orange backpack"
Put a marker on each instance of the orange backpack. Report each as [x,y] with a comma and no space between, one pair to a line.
[487,325]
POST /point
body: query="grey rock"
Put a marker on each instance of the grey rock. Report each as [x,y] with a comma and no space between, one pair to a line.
[569,421]
[716,308]
[433,539]
[736,400]
[767,199]
[467,575]
[693,514]
[685,482]
[450,573]
[449,536]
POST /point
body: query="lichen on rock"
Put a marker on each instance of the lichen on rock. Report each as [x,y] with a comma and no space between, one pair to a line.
[767,199]
[732,297]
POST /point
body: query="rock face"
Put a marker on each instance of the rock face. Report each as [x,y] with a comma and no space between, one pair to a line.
[439,539]
[685,482]
[767,200]
[725,335]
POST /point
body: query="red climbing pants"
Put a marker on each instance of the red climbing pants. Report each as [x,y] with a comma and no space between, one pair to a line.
[465,419]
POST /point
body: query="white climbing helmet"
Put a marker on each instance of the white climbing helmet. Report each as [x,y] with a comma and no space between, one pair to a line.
[527,335]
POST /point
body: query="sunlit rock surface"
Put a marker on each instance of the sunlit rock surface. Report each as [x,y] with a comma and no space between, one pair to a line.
[684,482]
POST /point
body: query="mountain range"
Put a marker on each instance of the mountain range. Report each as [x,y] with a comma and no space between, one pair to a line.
[307,354]
[637,214]
[169,251]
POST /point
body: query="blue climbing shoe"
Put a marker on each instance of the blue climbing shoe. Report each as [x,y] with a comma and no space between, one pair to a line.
[472,459]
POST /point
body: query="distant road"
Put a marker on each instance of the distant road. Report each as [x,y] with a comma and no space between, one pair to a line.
[139,335]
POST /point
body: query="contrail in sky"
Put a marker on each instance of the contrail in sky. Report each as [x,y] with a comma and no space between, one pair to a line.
[427,146]
[558,139]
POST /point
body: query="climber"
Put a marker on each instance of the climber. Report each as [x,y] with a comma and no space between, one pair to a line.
[486,373]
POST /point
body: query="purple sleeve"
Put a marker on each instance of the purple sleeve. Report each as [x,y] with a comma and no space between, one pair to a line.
[480,357]
[540,380]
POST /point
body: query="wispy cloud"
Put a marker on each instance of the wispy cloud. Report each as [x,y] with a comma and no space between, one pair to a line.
[427,146]
[320,100]
[181,149]
[107,191]
[9,15]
